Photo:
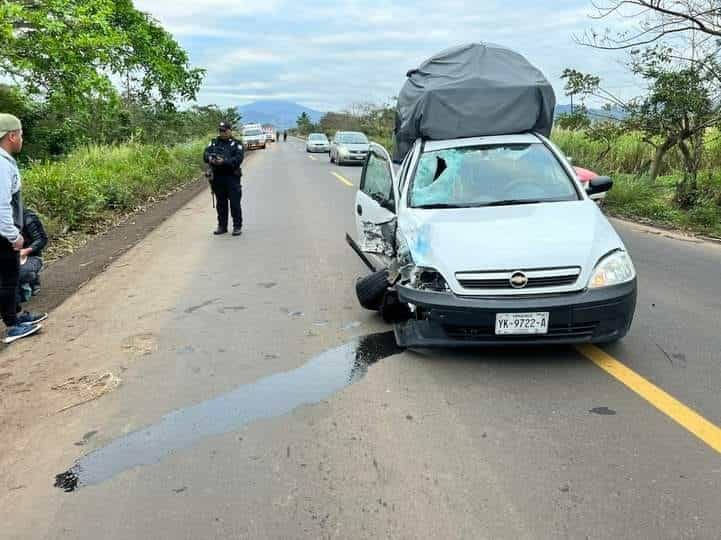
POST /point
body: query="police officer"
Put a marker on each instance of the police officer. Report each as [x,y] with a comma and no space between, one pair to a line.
[224,154]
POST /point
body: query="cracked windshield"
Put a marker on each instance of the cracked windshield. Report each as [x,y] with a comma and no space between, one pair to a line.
[360,269]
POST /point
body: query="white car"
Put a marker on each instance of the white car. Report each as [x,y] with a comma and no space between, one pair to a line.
[492,240]
[253,137]
[317,142]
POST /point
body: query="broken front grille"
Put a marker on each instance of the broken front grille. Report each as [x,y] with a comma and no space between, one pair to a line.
[519,279]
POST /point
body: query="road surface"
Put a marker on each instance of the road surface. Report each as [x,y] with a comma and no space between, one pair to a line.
[217,387]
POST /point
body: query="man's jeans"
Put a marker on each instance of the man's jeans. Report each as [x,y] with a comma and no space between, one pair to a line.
[30,271]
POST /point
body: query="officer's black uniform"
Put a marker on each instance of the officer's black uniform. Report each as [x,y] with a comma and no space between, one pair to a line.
[226,180]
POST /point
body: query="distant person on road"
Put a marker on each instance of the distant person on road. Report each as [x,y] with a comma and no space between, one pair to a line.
[31,262]
[224,154]
[285,136]
[19,325]
[277,136]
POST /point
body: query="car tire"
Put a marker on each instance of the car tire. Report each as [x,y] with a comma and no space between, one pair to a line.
[330,155]
[371,290]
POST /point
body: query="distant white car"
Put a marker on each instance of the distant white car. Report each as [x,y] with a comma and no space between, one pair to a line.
[488,241]
[270,135]
[317,142]
[252,138]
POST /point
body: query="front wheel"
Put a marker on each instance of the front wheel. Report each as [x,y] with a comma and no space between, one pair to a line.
[330,155]
[371,289]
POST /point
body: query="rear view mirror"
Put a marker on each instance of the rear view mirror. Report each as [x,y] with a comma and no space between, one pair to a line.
[600,184]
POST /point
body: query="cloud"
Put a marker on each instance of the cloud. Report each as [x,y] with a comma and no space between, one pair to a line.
[333,53]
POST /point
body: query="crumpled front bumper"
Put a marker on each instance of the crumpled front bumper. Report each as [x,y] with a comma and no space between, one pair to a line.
[446,320]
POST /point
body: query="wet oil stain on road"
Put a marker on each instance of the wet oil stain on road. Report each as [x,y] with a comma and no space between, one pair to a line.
[272,396]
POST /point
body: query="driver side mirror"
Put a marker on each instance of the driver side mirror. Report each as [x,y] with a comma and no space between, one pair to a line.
[600,184]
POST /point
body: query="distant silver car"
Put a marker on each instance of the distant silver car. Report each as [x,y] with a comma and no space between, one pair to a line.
[317,142]
[349,147]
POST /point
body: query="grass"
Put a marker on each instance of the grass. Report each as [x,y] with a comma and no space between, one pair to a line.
[96,184]
[633,196]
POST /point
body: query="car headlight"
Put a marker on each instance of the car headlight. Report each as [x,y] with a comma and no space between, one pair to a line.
[613,269]
[427,279]
[343,150]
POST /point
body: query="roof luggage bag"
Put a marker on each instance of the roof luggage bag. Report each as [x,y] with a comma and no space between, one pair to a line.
[472,90]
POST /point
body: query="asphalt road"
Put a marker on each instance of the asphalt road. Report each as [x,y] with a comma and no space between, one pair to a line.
[250,405]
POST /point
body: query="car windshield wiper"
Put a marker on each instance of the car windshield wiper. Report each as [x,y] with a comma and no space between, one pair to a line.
[511,202]
[439,205]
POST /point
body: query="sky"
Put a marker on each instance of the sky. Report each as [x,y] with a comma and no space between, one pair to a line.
[329,55]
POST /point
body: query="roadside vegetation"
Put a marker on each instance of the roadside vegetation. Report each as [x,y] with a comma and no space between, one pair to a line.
[103,130]
[98,184]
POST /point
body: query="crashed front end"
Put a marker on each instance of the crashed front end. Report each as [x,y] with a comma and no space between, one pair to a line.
[444,319]
[439,316]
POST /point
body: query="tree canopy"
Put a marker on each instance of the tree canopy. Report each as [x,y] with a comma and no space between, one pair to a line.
[78,48]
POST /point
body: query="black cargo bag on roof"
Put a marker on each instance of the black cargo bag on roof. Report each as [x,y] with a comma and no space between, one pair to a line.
[472,90]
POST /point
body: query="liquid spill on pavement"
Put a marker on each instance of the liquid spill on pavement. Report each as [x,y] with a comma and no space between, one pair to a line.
[271,396]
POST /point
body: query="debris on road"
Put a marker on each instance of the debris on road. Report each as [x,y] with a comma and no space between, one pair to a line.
[87,388]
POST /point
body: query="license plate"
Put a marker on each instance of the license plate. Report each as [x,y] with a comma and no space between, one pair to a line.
[521,323]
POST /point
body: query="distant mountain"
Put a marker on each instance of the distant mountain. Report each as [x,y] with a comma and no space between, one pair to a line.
[593,113]
[280,114]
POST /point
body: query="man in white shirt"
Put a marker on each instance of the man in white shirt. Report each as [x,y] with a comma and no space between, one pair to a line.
[19,325]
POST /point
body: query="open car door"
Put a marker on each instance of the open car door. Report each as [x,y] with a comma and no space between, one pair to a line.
[375,209]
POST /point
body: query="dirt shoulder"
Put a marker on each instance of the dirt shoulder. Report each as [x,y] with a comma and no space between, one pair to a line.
[64,276]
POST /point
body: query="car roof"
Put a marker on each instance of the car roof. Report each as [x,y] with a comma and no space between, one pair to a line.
[350,133]
[521,138]
[321,134]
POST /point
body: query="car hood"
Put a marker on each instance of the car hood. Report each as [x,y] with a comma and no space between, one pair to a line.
[523,237]
[318,143]
[355,147]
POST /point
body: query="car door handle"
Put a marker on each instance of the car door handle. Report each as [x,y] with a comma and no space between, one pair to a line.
[359,209]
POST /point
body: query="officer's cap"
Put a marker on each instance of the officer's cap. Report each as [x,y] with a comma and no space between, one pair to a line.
[224,125]
[9,123]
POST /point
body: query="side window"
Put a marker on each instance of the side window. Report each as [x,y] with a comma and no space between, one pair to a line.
[377,179]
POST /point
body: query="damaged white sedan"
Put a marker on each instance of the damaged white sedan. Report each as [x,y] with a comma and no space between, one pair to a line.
[490,240]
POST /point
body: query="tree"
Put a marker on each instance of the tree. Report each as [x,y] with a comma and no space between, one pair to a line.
[304,124]
[331,122]
[678,108]
[576,120]
[75,48]
[654,21]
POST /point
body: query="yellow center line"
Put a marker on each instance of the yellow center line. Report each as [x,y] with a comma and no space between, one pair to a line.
[343,179]
[664,402]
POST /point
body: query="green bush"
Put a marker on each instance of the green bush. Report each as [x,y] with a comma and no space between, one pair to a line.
[92,183]
[634,197]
